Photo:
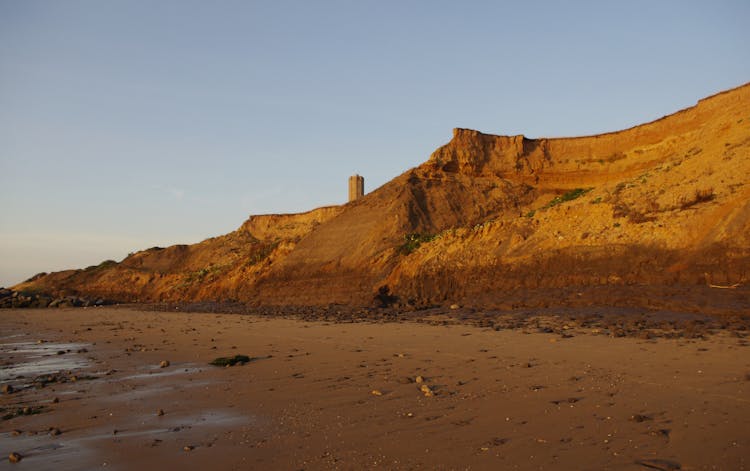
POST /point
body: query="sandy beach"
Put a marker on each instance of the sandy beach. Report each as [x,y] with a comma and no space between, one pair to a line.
[364,395]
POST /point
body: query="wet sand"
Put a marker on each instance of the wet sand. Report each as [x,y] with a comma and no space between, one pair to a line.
[331,395]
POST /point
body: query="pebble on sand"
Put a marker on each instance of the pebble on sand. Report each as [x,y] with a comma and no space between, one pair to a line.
[8,389]
[164,364]
[160,412]
[426,391]
[419,380]
[188,448]
[15,457]
[376,392]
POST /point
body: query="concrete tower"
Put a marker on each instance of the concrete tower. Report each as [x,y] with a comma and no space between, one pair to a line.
[356,187]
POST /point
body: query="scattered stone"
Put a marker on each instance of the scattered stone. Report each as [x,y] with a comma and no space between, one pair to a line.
[570,400]
[662,432]
[8,389]
[426,391]
[188,448]
[54,431]
[164,364]
[455,306]
[639,418]
[419,380]
[376,392]
[55,400]
[661,465]
[17,432]
[160,412]
[15,457]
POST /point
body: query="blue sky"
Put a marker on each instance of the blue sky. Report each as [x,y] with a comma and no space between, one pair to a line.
[128,124]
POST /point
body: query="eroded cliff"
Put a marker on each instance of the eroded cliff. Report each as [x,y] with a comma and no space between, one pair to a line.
[661,204]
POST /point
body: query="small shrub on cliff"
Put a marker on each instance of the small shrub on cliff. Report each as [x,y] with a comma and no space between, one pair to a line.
[413,241]
[263,253]
[568,196]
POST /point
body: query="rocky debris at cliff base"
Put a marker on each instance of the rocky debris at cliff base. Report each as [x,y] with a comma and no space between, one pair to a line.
[667,321]
[20,299]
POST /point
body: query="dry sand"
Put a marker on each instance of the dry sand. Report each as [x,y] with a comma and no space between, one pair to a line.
[326,395]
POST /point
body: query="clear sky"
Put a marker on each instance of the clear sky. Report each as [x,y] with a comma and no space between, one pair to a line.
[128,124]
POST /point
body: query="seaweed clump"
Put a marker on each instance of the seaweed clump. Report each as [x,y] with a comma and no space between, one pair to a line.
[231,361]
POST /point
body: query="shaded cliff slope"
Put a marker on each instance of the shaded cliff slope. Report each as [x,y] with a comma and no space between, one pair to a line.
[661,204]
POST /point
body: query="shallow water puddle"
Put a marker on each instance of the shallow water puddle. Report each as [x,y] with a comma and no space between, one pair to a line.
[31,359]
[71,452]
[157,372]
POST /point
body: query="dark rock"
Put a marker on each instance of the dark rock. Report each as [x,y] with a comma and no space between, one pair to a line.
[661,465]
[639,418]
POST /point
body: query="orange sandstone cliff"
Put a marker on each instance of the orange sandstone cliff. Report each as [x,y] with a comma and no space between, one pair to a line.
[663,204]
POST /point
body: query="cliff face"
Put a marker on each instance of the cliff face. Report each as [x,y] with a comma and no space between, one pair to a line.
[591,158]
[664,204]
